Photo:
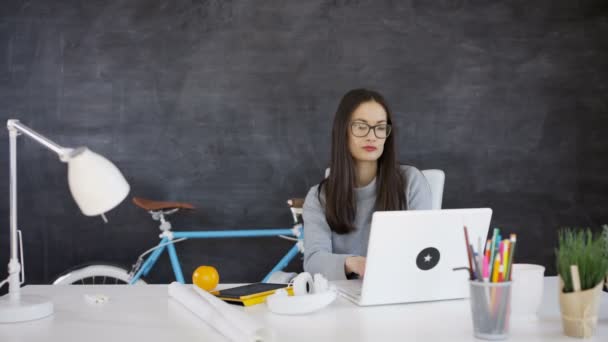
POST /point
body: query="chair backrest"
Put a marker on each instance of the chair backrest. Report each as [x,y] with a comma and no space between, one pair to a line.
[436,179]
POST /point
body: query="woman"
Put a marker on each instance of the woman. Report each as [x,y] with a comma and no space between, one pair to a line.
[364,178]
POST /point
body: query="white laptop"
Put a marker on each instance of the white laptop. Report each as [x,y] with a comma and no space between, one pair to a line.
[411,256]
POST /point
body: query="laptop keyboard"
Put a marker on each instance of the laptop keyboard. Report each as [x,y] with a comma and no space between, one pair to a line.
[351,287]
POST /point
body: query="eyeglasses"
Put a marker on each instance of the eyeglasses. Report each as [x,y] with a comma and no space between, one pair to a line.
[361,129]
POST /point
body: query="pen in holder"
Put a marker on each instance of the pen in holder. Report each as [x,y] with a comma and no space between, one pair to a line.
[490,309]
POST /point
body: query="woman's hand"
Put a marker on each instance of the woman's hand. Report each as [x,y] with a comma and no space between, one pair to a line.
[355,264]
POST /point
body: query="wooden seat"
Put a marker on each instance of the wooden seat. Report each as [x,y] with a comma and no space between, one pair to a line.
[149,204]
[296,203]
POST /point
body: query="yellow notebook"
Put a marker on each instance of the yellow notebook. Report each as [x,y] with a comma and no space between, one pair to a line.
[251,294]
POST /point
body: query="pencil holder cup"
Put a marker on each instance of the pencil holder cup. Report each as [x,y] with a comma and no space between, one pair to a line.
[490,309]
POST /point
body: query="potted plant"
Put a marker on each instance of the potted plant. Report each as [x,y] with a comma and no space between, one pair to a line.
[582,266]
[605,234]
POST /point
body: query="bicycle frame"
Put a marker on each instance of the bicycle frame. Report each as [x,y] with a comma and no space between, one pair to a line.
[167,238]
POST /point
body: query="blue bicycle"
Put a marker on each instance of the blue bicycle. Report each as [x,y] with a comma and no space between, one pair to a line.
[101,273]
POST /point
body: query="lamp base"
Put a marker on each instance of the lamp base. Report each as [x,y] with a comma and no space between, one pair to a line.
[27,308]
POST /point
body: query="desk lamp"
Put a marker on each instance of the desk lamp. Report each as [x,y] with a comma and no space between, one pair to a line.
[96,185]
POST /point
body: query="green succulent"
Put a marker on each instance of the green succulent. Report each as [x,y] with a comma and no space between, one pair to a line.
[586,250]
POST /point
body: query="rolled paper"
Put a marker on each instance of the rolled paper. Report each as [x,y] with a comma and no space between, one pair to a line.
[237,317]
[227,320]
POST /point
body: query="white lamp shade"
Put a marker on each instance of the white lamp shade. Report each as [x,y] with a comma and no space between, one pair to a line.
[96,184]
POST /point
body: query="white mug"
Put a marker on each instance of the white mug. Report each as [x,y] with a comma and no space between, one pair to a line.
[526,290]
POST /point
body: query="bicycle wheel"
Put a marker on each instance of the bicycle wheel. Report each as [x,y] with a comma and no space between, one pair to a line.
[95,274]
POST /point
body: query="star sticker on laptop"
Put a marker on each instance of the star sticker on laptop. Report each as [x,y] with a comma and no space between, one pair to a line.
[428,258]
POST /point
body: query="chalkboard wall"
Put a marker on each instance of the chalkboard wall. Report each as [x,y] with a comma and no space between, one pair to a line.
[228,105]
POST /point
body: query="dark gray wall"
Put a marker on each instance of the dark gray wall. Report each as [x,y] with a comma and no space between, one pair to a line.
[228,105]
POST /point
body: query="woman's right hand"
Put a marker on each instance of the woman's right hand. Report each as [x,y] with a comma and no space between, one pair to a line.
[355,264]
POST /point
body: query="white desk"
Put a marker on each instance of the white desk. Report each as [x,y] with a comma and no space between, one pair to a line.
[146,313]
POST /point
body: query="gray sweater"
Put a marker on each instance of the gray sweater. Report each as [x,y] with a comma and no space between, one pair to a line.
[325,251]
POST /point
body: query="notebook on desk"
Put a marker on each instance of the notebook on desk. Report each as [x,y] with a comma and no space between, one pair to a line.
[411,256]
[251,294]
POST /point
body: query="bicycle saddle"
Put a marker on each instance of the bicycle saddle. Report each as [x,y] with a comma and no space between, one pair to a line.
[295,202]
[149,205]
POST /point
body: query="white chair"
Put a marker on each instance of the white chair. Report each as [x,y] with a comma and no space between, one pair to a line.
[436,179]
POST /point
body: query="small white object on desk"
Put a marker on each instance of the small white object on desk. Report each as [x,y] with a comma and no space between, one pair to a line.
[97,299]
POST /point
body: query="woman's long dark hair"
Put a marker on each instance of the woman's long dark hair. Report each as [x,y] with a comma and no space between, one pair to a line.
[340,202]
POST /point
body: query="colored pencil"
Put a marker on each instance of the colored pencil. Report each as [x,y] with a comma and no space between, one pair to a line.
[505,258]
[466,240]
[512,252]
[496,268]
[486,267]
[492,249]
[476,268]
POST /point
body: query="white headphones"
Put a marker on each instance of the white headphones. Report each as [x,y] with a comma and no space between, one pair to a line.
[310,294]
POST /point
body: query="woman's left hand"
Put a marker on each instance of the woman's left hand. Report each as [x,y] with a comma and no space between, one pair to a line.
[355,264]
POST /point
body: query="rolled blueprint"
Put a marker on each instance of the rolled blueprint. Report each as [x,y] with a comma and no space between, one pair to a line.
[227,320]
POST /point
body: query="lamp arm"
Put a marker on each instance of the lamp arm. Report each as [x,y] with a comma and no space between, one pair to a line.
[16,125]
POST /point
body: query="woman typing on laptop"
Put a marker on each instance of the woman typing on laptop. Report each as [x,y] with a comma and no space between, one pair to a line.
[364,178]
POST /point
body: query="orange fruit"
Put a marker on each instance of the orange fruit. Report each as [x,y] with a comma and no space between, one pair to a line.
[205,277]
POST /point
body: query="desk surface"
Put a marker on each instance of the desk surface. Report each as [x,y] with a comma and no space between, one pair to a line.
[146,313]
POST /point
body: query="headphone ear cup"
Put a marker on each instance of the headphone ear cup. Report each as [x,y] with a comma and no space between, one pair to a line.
[302,284]
[321,284]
